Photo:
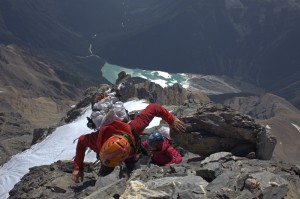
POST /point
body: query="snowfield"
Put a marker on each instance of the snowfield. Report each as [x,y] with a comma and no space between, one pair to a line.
[60,145]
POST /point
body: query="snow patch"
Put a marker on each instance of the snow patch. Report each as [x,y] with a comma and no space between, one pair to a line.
[160,82]
[162,74]
[59,145]
[296,126]
[268,127]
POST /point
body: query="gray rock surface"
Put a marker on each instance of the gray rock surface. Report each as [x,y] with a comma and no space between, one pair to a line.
[216,135]
[220,175]
[214,128]
[173,95]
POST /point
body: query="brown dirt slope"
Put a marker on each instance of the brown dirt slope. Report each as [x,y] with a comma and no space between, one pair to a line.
[32,95]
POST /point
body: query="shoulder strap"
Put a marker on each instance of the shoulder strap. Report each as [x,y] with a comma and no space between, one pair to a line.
[139,148]
[136,137]
[129,140]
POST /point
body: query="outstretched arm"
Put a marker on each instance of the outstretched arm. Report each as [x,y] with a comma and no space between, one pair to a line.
[84,141]
[80,152]
[151,111]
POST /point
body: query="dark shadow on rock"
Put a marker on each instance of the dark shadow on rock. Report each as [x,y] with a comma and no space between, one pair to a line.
[86,184]
[195,159]
[116,196]
[243,149]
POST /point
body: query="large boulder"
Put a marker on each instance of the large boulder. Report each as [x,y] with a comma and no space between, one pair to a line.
[214,128]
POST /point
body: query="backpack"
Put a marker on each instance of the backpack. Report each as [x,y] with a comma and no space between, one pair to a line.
[106,111]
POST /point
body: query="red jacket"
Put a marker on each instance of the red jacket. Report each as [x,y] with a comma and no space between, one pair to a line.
[96,139]
[166,156]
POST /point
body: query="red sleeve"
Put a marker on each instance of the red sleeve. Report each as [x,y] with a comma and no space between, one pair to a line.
[176,158]
[84,141]
[145,144]
[146,116]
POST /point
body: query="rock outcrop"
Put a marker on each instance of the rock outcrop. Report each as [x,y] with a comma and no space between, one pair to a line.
[127,89]
[229,156]
[213,128]
[173,95]
[220,175]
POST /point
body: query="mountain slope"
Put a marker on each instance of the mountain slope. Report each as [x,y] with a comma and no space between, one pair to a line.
[33,95]
[255,41]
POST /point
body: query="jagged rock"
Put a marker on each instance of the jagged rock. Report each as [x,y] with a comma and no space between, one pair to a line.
[154,93]
[216,157]
[228,177]
[125,85]
[52,181]
[89,98]
[40,134]
[214,128]
[137,189]
[112,190]
[172,95]
[265,144]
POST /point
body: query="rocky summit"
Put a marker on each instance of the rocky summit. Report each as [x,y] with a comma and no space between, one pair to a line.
[225,155]
[221,175]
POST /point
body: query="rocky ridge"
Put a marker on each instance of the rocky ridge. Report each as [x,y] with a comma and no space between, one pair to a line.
[246,170]
[220,175]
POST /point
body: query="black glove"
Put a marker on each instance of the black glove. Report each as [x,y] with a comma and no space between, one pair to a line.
[90,123]
[144,151]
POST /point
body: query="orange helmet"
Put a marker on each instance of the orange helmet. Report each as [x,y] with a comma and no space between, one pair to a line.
[114,150]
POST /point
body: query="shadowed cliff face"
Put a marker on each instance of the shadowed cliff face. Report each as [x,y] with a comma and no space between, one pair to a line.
[256,40]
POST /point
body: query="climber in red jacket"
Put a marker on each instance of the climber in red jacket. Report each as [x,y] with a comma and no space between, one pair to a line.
[163,153]
[118,141]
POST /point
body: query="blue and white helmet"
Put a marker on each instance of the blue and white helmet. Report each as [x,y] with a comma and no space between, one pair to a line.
[155,139]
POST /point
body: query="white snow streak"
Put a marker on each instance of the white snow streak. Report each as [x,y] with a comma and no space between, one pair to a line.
[57,146]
